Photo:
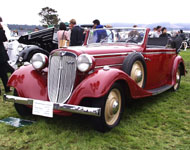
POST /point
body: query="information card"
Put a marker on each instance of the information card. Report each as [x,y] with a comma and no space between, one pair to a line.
[42,108]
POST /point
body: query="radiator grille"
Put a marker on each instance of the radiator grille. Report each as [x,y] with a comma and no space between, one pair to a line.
[61,76]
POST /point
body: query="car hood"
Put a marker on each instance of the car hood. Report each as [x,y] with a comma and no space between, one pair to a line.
[104,49]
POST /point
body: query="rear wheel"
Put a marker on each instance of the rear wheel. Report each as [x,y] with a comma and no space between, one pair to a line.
[178,79]
[21,109]
[111,109]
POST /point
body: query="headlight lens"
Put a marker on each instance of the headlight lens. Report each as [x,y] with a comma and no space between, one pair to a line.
[84,62]
[39,61]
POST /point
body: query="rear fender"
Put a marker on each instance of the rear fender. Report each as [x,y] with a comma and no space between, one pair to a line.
[178,61]
[98,84]
[29,83]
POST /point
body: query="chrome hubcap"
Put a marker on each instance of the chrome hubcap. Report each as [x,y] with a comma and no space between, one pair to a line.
[112,106]
[138,75]
[115,107]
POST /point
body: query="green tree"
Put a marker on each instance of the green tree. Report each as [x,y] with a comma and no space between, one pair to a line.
[49,17]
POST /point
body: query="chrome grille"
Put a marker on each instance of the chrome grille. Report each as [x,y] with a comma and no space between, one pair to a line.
[61,76]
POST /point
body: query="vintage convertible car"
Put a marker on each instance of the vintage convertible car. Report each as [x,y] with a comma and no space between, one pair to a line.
[114,65]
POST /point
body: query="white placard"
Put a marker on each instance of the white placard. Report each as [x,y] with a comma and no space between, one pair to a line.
[42,108]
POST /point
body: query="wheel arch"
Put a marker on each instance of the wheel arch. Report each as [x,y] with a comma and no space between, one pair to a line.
[178,61]
[29,50]
[126,89]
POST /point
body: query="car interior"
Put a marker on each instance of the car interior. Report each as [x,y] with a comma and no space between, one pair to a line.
[164,42]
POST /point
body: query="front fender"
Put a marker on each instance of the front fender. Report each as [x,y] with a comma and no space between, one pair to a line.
[29,83]
[98,84]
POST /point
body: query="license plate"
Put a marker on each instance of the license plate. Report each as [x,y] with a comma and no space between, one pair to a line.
[42,108]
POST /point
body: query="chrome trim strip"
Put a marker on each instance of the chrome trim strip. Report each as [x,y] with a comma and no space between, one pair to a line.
[150,53]
[112,54]
[92,111]
[110,57]
[97,67]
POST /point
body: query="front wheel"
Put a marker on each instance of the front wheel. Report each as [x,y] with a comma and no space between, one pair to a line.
[111,109]
[21,109]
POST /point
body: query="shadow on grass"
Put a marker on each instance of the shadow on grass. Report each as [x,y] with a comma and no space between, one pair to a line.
[83,123]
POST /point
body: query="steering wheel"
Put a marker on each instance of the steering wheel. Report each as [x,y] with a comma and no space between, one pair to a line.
[131,40]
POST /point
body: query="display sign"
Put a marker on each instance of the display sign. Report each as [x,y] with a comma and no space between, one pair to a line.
[42,108]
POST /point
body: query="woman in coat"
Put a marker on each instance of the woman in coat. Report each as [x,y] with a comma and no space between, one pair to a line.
[3,59]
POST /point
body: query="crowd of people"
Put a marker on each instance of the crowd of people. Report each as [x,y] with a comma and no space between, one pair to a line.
[75,35]
[162,32]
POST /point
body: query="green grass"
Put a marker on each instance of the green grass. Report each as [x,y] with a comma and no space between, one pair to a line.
[154,123]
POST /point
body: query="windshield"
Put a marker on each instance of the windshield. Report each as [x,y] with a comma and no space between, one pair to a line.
[116,35]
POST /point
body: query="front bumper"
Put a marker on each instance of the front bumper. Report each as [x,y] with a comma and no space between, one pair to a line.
[64,107]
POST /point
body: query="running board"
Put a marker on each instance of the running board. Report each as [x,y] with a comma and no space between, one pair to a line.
[160,89]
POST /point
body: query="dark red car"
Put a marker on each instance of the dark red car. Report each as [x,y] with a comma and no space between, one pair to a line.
[113,66]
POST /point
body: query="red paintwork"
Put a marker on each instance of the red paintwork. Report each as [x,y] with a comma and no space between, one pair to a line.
[161,69]
[29,83]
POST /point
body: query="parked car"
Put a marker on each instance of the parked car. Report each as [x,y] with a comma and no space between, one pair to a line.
[13,49]
[12,46]
[114,65]
[41,41]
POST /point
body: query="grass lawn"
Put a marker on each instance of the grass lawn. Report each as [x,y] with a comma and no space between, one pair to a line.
[154,123]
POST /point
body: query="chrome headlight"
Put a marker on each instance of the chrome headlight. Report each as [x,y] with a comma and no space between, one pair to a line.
[39,61]
[84,62]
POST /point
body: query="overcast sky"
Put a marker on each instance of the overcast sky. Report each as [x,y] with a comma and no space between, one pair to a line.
[107,11]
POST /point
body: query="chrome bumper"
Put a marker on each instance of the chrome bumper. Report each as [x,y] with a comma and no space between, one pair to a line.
[64,107]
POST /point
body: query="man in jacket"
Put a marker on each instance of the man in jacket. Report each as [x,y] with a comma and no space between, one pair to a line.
[77,35]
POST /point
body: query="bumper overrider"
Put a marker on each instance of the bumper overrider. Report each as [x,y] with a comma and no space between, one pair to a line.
[56,106]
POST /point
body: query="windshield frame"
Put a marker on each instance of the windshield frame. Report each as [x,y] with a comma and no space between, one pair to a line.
[124,29]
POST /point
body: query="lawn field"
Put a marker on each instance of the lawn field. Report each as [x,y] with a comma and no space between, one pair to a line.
[160,122]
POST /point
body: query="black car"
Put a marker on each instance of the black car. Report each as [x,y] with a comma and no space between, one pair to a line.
[42,41]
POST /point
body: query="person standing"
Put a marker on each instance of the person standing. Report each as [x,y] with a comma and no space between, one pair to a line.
[77,36]
[62,34]
[3,59]
[101,34]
